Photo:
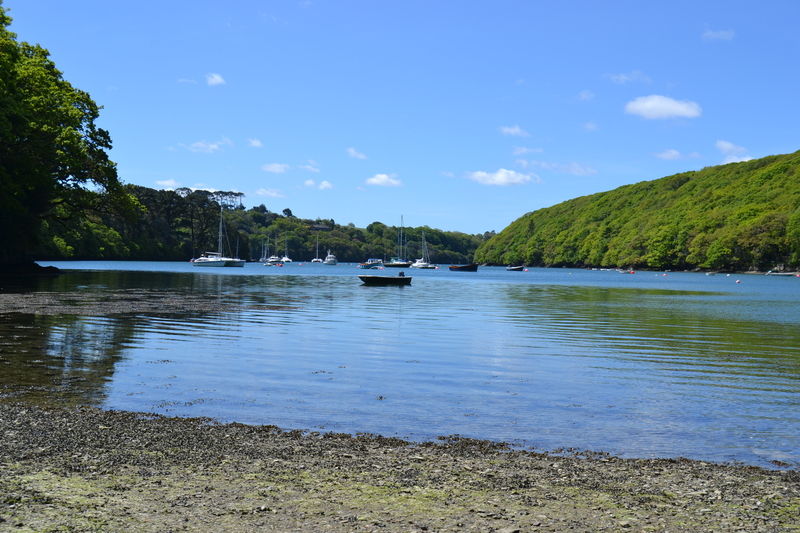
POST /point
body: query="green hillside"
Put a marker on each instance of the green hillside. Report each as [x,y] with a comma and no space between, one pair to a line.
[739,216]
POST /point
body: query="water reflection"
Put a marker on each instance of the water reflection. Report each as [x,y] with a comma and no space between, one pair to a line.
[543,361]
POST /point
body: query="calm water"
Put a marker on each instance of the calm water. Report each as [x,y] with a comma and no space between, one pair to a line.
[641,365]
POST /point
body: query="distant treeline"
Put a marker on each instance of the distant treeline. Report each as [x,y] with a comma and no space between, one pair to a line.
[739,216]
[182,224]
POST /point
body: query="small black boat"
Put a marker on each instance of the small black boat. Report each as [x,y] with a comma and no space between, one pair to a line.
[472,267]
[386,280]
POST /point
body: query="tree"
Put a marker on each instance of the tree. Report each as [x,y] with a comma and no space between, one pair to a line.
[51,151]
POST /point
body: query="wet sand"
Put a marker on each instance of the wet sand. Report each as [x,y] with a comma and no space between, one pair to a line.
[86,469]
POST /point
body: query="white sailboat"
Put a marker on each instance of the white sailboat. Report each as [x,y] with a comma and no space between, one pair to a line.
[273,259]
[216,259]
[425,260]
[286,258]
[316,255]
[399,261]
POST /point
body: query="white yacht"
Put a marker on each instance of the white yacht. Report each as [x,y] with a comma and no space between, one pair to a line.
[330,259]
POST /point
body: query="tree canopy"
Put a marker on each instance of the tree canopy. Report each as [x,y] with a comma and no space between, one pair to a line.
[51,150]
[739,216]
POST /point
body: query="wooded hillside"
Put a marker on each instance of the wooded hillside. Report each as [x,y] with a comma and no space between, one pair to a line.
[739,216]
[179,225]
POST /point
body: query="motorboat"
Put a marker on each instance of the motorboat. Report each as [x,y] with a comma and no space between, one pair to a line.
[371,263]
[471,267]
[383,281]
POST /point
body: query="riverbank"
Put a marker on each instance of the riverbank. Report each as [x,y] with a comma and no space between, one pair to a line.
[91,470]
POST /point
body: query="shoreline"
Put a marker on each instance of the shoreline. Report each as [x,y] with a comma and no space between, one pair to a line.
[86,469]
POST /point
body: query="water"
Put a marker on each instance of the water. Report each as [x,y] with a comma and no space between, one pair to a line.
[643,365]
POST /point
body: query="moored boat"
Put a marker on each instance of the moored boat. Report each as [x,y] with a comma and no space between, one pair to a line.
[472,267]
[371,263]
[400,280]
[330,259]
[515,268]
[216,259]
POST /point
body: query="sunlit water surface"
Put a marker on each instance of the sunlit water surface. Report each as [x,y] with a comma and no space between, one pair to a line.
[642,365]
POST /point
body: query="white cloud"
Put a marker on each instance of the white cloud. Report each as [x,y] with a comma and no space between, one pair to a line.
[576,169]
[168,184]
[514,131]
[275,168]
[585,95]
[311,166]
[212,78]
[522,150]
[384,180]
[207,147]
[634,76]
[670,154]
[732,153]
[187,80]
[254,143]
[355,154]
[500,177]
[718,35]
[323,185]
[657,106]
[271,193]
[590,126]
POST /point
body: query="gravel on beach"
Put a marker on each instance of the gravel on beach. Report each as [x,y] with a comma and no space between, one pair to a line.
[85,469]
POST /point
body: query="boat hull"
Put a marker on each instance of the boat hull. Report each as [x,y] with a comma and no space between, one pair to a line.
[472,267]
[220,263]
[384,281]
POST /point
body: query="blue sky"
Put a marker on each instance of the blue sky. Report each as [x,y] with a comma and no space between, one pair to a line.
[460,115]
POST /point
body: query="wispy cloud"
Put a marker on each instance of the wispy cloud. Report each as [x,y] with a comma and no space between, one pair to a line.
[270,193]
[629,77]
[384,180]
[500,177]
[513,131]
[718,35]
[732,153]
[575,169]
[168,184]
[522,150]
[212,78]
[311,166]
[585,95]
[590,126]
[322,185]
[670,154]
[254,143]
[207,147]
[355,154]
[275,168]
[657,106]
[187,81]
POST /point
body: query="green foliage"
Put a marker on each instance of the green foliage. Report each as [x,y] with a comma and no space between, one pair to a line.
[179,225]
[738,216]
[50,148]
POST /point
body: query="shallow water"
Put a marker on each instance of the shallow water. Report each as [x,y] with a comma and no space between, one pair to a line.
[643,365]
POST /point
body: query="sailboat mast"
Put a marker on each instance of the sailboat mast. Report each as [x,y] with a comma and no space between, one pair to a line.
[219,241]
